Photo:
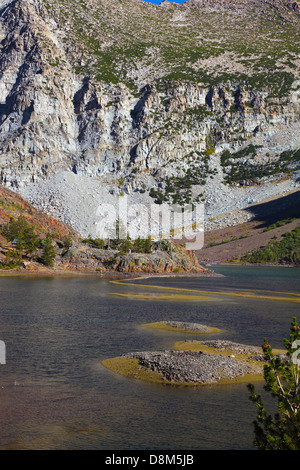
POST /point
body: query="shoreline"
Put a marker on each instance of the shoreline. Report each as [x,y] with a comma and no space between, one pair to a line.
[105,275]
[237,263]
[136,274]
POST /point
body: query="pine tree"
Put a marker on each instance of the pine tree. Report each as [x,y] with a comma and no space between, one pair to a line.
[137,245]
[148,245]
[48,253]
[22,234]
[126,245]
[281,374]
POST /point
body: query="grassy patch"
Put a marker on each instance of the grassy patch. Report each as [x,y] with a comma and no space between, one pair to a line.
[279,223]
[132,369]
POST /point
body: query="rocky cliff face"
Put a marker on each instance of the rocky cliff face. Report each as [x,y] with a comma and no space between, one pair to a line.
[37,113]
[132,94]
[84,258]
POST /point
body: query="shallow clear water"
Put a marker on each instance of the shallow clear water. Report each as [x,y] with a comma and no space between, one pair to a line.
[55,394]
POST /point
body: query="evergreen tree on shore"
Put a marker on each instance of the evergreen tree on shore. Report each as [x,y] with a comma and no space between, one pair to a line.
[282,380]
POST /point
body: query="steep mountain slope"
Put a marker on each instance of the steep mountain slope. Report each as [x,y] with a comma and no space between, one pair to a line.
[13,205]
[100,98]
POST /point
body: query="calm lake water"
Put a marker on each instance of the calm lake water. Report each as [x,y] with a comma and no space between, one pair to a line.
[55,394]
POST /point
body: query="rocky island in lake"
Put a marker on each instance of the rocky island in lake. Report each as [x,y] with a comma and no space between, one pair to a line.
[184,327]
[193,362]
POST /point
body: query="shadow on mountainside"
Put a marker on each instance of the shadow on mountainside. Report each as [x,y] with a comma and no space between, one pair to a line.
[233,242]
[277,209]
